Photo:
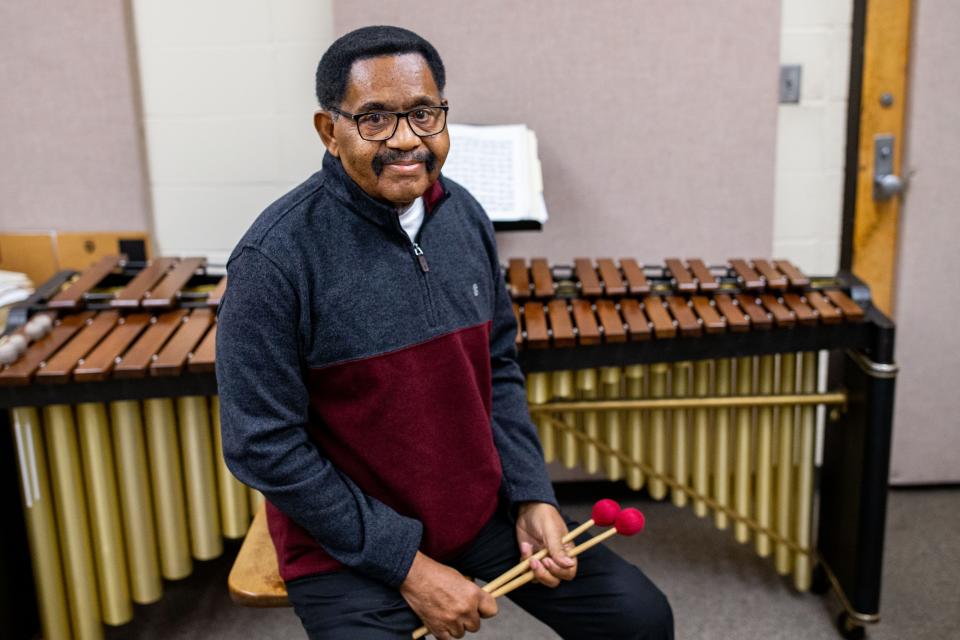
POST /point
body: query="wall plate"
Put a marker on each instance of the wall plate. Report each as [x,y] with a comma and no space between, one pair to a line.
[790,83]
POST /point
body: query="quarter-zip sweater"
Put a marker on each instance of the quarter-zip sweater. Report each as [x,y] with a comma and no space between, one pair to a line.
[368,382]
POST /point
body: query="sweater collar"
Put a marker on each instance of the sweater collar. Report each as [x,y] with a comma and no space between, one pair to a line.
[381,213]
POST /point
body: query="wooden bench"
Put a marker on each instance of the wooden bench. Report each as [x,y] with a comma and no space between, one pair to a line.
[254,579]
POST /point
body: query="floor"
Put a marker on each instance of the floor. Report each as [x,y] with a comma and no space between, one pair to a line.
[718,588]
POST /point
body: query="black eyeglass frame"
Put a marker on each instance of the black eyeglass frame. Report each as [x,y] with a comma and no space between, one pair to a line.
[406,114]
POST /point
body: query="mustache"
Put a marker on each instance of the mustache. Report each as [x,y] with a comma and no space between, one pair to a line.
[389,156]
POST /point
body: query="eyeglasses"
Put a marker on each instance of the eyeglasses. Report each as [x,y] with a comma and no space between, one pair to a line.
[377,126]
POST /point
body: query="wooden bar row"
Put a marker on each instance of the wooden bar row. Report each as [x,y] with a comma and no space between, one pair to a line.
[140,335]
[157,286]
[578,321]
[605,278]
[90,346]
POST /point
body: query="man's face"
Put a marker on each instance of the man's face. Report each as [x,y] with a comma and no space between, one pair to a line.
[398,170]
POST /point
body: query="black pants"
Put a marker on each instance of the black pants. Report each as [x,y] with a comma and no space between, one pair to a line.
[609,598]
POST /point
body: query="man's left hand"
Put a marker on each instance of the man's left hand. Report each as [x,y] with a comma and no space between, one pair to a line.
[540,525]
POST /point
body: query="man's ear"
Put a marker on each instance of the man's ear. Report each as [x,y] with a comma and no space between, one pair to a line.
[323,123]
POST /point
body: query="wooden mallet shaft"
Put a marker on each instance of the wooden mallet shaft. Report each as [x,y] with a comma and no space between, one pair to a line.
[539,555]
[528,576]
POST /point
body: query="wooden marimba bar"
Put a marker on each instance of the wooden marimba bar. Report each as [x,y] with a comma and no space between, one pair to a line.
[702,384]
[123,484]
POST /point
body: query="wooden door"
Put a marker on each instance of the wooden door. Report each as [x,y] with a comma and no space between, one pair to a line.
[904,246]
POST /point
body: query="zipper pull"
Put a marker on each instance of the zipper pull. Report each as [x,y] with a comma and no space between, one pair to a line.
[422,259]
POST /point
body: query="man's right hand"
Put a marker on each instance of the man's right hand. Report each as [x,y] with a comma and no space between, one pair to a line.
[448,604]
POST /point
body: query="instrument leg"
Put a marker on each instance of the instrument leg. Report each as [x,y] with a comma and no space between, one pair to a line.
[41,526]
[658,432]
[742,479]
[234,506]
[802,569]
[764,471]
[788,385]
[109,550]
[681,471]
[610,381]
[71,507]
[197,451]
[589,420]
[636,375]
[166,480]
[721,466]
[701,478]
[135,502]
[854,476]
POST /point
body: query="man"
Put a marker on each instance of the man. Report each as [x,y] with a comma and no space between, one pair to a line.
[369,388]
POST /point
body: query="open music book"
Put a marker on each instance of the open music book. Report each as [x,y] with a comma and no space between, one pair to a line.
[499,165]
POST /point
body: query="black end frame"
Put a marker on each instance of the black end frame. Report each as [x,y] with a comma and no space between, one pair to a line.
[854,478]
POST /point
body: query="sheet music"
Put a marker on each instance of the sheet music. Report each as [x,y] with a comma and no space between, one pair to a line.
[14,287]
[494,164]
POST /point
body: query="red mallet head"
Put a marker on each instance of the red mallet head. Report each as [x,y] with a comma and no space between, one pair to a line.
[629,522]
[605,512]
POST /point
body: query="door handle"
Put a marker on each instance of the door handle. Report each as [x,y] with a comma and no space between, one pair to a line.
[886,184]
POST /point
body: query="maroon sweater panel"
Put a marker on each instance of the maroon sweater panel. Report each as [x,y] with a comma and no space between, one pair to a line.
[412,429]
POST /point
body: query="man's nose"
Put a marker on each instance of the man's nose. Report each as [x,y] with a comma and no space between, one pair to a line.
[404,138]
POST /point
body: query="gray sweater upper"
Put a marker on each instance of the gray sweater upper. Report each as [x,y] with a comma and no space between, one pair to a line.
[371,394]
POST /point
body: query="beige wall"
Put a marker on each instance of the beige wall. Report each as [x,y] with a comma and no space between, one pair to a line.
[71,145]
[691,171]
[228,106]
[227,117]
[927,424]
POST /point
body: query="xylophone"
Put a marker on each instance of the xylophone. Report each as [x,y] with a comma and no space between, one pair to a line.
[696,382]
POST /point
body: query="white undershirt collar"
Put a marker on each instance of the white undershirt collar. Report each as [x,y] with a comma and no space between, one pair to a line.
[411,218]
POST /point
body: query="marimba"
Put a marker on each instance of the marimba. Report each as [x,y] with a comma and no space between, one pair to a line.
[694,382]
[702,384]
[115,419]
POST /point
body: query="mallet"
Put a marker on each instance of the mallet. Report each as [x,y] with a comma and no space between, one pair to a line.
[629,522]
[604,514]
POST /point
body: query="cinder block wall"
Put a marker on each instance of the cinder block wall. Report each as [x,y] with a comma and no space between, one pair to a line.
[811,136]
[228,103]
